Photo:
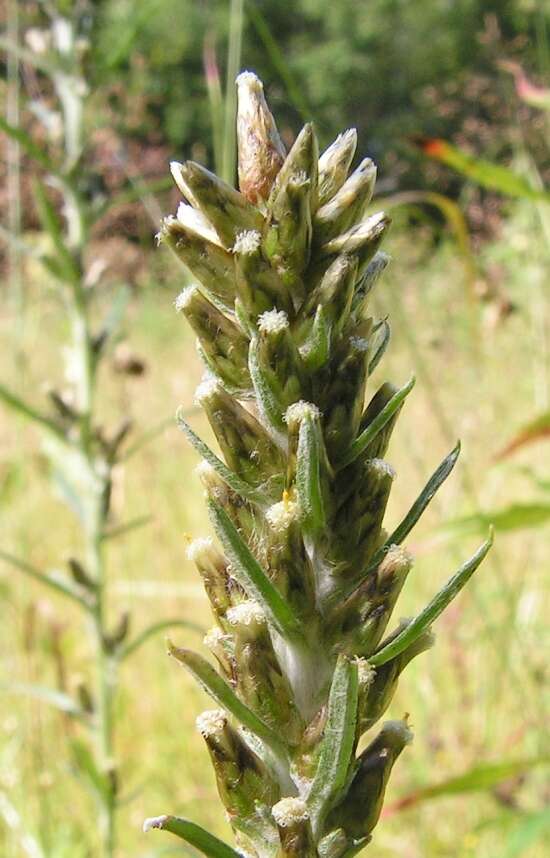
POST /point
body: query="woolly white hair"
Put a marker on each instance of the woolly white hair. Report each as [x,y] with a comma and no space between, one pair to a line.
[211,722]
[289,811]
[248,241]
[281,515]
[298,411]
[184,297]
[246,614]
[381,468]
[200,547]
[273,321]
[206,389]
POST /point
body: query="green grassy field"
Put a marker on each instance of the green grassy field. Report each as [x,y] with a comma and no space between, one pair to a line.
[476,698]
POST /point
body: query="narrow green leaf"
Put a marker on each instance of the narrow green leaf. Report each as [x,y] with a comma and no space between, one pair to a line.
[268,404]
[533,827]
[369,434]
[479,778]
[223,694]
[21,407]
[27,144]
[424,498]
[88,768]
[142,638]
[51,696]
[308,475]
[233,481]
[488,175]
[431,612]
[51,223]
[514,517]
[338,742]
[126,527]
[252,577]
[381,347]
[537,429]
[193,834]
[63,586]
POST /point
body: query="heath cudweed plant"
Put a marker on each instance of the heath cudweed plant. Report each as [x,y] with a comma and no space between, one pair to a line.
[304,580]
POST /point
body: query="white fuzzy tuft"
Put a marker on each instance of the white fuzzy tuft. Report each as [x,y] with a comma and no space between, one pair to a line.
[155,822]
[381,468]
[281,515]
[200,547]
[249,80]
[214,637]
[273,321]
[185,297]
[298,411]
[245,614]
[360,344]
[247,241]
[208,388]
[211,722]
[289,811]
[397,557]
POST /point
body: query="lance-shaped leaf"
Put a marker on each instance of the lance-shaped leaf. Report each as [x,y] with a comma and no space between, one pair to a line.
[368,281]
[43,694]
[27,144]
[383,331]
[302,158]
[193,834]
[228,211]
[9,398]
[228,476]
[250,575]
[54,582]
[424,498]
[310,461]
[372,430]
[334,164]
[223,344]
[315,350]
[432,611]
[269,404]
[338,744]
[223,694]
[362,240]
[53,226]
[260,149]
[210,263]
[348,205]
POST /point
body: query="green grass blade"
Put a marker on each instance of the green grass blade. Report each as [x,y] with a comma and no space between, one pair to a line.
[26,142]
[43,694]
[236,23]
[338,742]
[517,516]
[424,498]
[369,434]
[431,612]
[21,407]
[233,481]
[65,588]
[154,629]
[308,476]
[223,694]
[476,779]
[251,576]
[192,834]
[492,176]
[51,223]
[381,347]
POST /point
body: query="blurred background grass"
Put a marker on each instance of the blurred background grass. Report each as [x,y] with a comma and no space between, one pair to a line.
[473,328]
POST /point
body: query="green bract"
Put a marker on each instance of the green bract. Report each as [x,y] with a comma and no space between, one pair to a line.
[306,580]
